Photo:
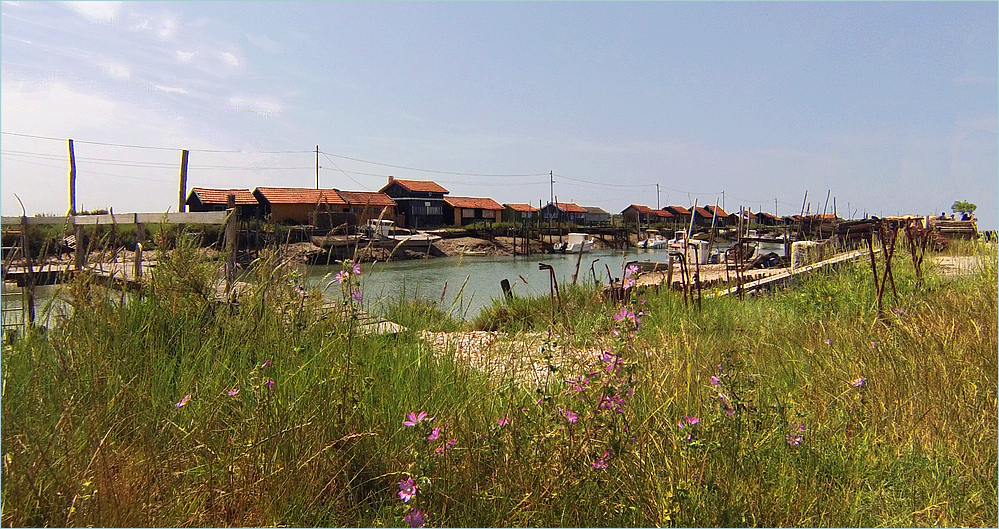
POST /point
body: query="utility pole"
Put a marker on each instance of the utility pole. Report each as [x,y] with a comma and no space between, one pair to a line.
[72,179]
[552,176]
[723,199]
[657,196]
[775,208]
[317,167]
[182,205]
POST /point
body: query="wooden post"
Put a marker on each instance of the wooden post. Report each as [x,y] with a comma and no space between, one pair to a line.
[80,255]
[137,269]
[579,258]
[230,243]
[72,179]
[29,263]
[507,289]
[182,205]
[140,233]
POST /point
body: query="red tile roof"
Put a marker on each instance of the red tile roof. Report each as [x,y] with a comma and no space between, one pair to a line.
[680,209]
[721,212]
[473,203]
[424,186]
[646,210]
[221,196]
[703,212]
[769,216]
[524,208]
[367,198]
[300,195]
[570,207]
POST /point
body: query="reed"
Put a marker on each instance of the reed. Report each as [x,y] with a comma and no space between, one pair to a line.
[801,407]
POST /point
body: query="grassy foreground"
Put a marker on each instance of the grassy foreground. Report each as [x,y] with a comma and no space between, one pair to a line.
[801,408]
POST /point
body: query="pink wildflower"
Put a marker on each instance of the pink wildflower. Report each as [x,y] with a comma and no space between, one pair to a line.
[183,402]
[415,518]
[407,490]
[601,462]
[416,418]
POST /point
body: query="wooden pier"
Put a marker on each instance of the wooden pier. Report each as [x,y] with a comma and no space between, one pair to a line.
[788,274]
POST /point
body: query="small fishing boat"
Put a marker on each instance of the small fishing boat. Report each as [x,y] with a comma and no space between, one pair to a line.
[654,243]
[574,243]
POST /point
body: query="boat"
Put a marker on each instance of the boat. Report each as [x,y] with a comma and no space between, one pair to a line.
[385,234]
[574,243]
[654,243]
[653,240]
[693,249]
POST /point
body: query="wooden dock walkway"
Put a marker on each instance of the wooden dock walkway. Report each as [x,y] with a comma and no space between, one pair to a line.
[788,274]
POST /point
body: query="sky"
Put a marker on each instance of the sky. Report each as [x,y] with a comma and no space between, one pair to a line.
[886,108]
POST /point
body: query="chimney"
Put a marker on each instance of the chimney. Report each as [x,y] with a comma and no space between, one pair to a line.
[391,178]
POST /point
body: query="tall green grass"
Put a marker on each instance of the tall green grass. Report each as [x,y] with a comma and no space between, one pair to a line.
[833,414]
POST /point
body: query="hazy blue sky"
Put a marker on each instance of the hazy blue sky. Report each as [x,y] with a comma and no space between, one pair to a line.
[891,106]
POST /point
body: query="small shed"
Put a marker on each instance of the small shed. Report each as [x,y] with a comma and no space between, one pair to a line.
[638,214]
[366,205]
[595,216]
[469,210]
[519,213]
[419,203]
[724,219]
[298,205]
[769,219]
[702,216]
[208,199]
[564,212]
[679,213]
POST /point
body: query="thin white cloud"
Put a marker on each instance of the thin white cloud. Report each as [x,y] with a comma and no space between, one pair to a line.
[100,12]
[229,59]
[116,70]
[261,107]
[167,27]
[185,56]
[169,89]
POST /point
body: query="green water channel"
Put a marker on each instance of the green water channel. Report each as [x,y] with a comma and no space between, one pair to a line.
[461,285]
[465,285]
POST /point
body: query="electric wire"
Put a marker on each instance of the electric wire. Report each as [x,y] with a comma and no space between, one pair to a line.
[429,170]
[152,147]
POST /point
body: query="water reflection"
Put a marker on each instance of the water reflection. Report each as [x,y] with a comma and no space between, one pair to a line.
[465,285]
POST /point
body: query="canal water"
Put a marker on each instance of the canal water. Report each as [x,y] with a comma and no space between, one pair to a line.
[465,285]
[461,285]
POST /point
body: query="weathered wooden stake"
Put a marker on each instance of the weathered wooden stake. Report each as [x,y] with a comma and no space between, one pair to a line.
[230,244]
[29,262]
[182,206]
[137,269]
[72,179]
[80,255]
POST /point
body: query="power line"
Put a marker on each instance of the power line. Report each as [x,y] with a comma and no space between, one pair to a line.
[344,172]
[151,147]
[139,163]
[96,172]
[602,183]
[429,170]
